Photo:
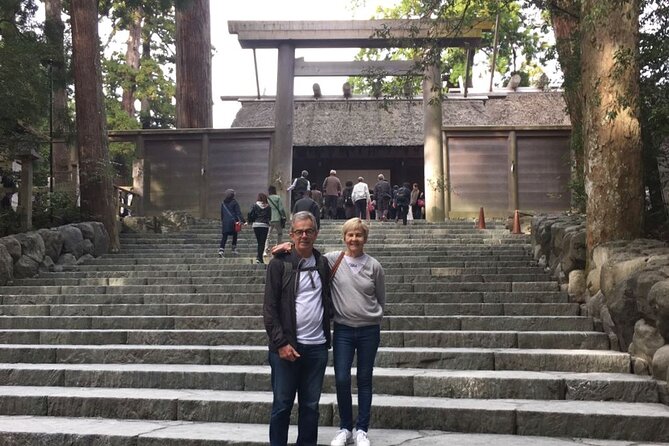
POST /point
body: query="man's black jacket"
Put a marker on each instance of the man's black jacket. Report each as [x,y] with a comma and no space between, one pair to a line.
[279,304]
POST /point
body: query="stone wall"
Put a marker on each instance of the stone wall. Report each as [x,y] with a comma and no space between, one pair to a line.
[27,254]
[626,289]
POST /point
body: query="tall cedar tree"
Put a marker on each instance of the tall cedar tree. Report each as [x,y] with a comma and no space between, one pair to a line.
[95,172]
[611,129]
[193,64]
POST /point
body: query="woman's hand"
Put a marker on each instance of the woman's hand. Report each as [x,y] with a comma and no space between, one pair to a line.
[283,247]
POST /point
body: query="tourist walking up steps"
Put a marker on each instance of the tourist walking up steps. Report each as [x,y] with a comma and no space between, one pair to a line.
[382,195]
[403,198]
[331,192]
[260,216]
[299,187]
[278,220]
[230,215]
[359,296]
[296,314]
[361,198]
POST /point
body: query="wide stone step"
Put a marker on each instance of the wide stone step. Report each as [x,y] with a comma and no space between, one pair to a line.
[230,272]
[592,419]
[566,360]
[160,288]
[589,340]
[87,431]
[409,382]
[391,280]
[229,265]
[255,322]
[418,309]
[257,297]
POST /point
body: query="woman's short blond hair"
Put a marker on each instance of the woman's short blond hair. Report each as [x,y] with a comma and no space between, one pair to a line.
[355,224]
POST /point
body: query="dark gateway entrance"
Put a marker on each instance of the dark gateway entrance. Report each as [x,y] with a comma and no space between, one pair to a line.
[398,164]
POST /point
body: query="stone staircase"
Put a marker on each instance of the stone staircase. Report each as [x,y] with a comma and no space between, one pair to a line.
[164,344]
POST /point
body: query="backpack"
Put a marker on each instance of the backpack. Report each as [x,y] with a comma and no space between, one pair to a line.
[348,200]
[403,195]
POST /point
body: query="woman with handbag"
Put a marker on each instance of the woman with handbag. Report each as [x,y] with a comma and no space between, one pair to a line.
[278,220]
[260,216]
[359,296]
[231,220]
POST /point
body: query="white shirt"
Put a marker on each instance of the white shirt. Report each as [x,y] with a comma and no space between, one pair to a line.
[309,305]
[360,192]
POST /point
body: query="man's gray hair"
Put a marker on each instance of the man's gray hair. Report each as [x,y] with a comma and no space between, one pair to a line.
[303,215]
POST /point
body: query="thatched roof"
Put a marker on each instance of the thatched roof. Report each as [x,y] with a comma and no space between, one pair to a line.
[368,122]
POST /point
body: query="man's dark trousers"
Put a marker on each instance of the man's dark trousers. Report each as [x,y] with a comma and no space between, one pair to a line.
[304,376]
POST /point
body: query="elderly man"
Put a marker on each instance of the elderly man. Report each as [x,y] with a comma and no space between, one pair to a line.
[382,195]
[296,311]
[331,193]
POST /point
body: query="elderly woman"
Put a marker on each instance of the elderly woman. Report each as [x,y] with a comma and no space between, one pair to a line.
[359,295]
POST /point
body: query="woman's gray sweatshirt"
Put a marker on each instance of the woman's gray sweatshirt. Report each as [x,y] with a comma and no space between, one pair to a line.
[358,298]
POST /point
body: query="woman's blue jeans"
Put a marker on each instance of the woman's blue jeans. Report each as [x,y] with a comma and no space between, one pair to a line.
[364,342]
[304,377]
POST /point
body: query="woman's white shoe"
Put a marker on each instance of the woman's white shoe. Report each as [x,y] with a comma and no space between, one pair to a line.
[342,438]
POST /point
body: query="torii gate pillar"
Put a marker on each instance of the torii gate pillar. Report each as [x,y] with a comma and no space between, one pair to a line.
[281,155]
[435,181]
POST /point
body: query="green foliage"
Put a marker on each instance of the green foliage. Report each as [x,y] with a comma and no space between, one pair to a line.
[153,81]
[23,82]
[654,104]
[518,34]
[54,209]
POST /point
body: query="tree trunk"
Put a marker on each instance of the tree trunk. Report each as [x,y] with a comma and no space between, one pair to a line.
[145,111]
[96,173]
[193,65]
[611,130]
[565,18]
[65,159]
[132,62]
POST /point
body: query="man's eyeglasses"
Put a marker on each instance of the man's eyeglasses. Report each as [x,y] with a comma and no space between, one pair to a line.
[300,232]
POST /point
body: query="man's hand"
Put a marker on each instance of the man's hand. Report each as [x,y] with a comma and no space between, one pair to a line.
[283,247]
[288,353]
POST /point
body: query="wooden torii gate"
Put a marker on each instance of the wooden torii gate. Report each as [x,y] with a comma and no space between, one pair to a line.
[286,36]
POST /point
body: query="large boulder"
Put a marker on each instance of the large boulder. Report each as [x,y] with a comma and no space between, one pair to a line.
[53,242]
[6,266]
[661,363]
[175,221]
[140,224]
[100,239]
[646,341]
[628,302]
[658,301]
[573,249]
[32,246]
[67,259]
[26,267]
[13,247]
[72,240]
[86,229]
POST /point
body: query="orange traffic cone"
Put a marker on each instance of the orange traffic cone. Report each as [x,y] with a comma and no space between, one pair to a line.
[516,223]
[480,224]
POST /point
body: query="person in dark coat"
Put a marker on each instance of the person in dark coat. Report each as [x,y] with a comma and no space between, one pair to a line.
[230,214]
[403,198]
[307,204]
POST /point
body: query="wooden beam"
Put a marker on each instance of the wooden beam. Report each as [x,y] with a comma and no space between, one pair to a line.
[357,68]
[396,33]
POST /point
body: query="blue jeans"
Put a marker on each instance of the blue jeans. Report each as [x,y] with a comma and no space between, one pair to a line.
[365,342]
[304,377]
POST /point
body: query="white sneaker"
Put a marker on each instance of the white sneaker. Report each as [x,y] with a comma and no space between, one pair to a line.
[361,439]
[342,438]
